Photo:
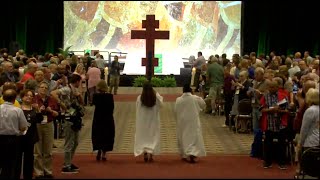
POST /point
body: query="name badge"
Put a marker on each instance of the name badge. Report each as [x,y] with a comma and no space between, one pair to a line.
[253,100]
[237,91]
[45,120]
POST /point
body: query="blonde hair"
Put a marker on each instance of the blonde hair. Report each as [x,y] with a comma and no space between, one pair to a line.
[244,73]
[312,96]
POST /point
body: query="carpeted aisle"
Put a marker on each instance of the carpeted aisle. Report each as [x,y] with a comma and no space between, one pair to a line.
[170,166]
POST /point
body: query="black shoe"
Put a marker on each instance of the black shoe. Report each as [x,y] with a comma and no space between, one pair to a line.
[48,176]
[98,158]
[150,158]
[74,167]
[104,159]
[145,157]
[39,177]
[266,165]
[282,167]
[68,170]
[192,159]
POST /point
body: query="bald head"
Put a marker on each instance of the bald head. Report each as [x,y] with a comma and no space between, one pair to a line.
[7,66]
[9,95]
[32,67]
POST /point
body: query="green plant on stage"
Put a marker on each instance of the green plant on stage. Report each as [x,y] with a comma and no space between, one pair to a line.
[138,81]
[156,82]
[169,82]
[64,52]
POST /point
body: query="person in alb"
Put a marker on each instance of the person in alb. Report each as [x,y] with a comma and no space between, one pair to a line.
[147,136]
[189,133]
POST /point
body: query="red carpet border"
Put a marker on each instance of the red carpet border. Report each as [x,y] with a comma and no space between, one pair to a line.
[170,166]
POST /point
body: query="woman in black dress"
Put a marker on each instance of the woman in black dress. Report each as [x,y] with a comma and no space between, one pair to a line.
[103,128]
[33,116]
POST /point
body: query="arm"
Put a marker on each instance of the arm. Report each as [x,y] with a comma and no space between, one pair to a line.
[306,125]
[56,93]
[23,123]
[201,102]
[159,99]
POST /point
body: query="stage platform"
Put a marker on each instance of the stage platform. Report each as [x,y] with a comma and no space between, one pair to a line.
[183,78]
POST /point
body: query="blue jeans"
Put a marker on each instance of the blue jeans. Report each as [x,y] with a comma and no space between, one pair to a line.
[256,147]
[256,118]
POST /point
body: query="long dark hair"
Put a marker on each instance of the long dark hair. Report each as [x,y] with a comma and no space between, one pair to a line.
[148,96]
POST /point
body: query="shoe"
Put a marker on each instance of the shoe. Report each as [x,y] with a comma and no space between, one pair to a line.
[39,177]
[267,165]
[48,176]
[69,170]
[54,146]
[192,159]
[224,125]
[98,158]
[145,157]
[74,167]
[282,167]
[150,158]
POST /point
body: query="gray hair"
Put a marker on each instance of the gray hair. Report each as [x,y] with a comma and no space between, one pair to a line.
[259,69]
[279,81]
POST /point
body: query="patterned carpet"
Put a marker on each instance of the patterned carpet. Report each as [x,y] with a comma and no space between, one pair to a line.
[218,139]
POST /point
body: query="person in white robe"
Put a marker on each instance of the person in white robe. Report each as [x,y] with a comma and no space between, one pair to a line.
[189,132]
[147,136]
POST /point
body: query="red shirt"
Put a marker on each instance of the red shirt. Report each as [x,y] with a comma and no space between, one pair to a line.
[51,102]
[26,77]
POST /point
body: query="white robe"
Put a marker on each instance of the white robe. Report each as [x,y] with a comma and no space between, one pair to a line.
[189,133]
[147,136]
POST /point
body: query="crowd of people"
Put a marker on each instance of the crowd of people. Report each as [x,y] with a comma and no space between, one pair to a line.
[284,95]
[43,97]
[38,93]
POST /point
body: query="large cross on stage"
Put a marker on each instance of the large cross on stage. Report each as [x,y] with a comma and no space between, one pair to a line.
[150,34]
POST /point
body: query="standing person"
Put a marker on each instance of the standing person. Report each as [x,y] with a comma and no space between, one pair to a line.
[33,116]
[274,120]
[43,148]
[12,124]
[103,129]
[93,76]
[114,75]
[198,64]
[147,137]
[215,79]
[80,70]
[259,87]
[71,102]
[228,92]
[189,133]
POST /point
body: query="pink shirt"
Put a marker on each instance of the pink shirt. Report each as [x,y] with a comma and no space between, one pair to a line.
[93,76]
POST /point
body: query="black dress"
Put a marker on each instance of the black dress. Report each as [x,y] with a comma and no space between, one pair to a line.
[27,142]
[103,128]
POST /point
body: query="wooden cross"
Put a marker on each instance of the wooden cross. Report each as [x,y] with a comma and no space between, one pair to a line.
[150,35]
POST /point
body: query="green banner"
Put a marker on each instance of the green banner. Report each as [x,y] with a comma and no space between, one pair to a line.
[158,69]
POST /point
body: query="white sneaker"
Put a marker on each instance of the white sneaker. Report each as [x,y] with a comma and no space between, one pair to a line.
[224,125]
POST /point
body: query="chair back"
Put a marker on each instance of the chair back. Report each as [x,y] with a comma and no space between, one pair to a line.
[310,162]
[244,107]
